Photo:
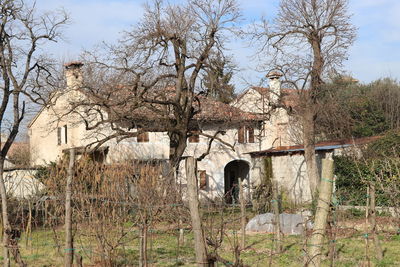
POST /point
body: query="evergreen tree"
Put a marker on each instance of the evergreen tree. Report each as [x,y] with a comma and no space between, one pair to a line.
[217,79]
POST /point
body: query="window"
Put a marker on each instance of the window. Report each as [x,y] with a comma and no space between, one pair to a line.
[194,137]
[246,135]
[59,136]
[143,137]
[202,179]
[250,134]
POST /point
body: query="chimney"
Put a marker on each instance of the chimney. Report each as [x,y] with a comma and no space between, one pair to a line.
[274,86]
[73,74]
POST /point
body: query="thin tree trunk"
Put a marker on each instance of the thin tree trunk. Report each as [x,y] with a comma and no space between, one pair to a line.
[277,221]
[243,213]
[181,238]
[6,224]
[199,240]
[378,247]
[69,245]
[321,215]
[143,246]
[28,230]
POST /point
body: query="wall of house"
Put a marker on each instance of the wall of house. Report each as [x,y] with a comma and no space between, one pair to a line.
[290,172]
[43,137]
[252,101]
[21,183]
[276,130]
[156,148]
[44,147]
[219,156]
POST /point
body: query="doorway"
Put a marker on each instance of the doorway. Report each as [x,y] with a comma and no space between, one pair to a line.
[233,171]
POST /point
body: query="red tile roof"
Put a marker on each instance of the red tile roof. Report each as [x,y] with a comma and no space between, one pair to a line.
[206,109]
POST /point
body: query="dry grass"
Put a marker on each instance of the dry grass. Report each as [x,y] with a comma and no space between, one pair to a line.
[41,249]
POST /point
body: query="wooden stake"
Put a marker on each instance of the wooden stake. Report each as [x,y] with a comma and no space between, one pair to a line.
[366,228]
[277,221]
[378,247]
[243,213]
[321,215]
[69,245]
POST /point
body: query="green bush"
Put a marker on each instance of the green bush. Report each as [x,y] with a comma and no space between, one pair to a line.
[379,164]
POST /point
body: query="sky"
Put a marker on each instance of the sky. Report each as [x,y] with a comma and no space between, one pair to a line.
[375,53]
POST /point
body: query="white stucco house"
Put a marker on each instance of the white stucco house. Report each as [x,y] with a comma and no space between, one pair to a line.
[249,125]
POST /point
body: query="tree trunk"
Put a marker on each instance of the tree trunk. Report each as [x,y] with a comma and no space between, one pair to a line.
[378,247]
[310,115]
[199,240]
[10,236]
[143,246]
[309,151]
[321,215]
[177,143]
[6,224]
[69,245]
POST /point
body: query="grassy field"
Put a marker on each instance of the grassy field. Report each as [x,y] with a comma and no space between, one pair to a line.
[40,249]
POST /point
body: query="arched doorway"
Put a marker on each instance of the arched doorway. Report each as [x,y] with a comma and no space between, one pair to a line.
[232,172]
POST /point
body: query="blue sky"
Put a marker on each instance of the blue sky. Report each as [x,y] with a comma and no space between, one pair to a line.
[374,54]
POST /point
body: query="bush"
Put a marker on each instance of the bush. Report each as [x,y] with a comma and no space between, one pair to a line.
[378,166]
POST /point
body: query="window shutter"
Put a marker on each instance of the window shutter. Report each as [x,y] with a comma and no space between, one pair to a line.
[202,180]
[194,138]
[65,134]
[250,134]
[59,136]
[241,135]
[143,137]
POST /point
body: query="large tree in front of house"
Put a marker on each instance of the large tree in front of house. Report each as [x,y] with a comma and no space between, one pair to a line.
[23,72]
[307,40]
[155,70]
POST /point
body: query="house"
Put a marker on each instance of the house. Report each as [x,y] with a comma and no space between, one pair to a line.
[254,122]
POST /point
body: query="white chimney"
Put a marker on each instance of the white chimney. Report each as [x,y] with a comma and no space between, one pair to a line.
[73,74]
[274,86]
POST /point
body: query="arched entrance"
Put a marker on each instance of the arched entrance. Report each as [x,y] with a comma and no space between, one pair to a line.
[232,172]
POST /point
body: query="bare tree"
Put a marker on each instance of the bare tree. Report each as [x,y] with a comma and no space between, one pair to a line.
[307,40]
[22,32]
[153,73]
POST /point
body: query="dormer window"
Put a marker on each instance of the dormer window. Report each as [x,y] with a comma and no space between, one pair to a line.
[246,134]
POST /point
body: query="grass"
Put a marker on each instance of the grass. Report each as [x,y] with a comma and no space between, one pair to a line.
[41,250]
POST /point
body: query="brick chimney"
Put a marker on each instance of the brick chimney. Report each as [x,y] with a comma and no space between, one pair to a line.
[73,74]
[274,86]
